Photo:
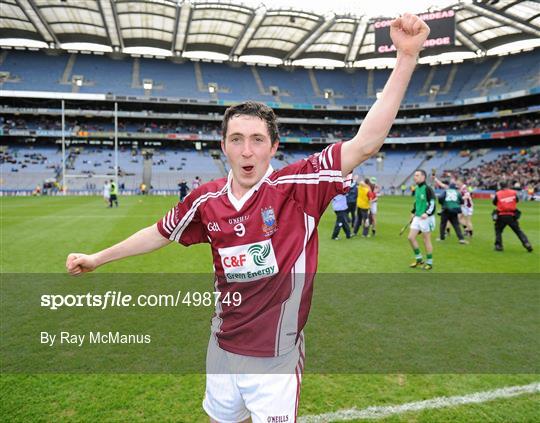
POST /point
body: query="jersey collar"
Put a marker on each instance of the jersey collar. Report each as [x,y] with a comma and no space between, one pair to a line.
[238,204]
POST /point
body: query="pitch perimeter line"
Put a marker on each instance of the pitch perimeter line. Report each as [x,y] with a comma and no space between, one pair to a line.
[378,412]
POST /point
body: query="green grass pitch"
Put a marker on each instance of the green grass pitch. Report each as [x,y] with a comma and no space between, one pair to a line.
[38,233]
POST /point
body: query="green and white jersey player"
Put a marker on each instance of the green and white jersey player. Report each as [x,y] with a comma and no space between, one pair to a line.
[422,220]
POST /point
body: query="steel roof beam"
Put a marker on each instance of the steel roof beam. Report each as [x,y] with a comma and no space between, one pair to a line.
[309,39]
[116,22]
[356,40]
[38,20]
[504,18]
[249,31]
[468,40]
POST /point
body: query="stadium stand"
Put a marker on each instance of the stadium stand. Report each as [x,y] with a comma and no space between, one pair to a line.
[23,168]
[492,76]
[26,168]
[335,132]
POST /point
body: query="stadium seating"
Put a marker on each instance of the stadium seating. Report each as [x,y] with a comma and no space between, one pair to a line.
[171,79]
[33,166]
[171,166]
[26,71]
[493,75]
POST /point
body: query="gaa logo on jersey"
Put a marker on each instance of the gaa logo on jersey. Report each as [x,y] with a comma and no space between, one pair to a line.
[249,262]
[269,221]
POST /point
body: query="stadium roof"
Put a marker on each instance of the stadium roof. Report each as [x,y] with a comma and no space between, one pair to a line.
[235,30]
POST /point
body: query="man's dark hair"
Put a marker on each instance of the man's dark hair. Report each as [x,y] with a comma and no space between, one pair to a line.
[252,108]
[503,184]
[423,172]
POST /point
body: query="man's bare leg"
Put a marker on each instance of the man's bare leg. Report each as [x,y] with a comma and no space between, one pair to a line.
[413,233]
[429,250]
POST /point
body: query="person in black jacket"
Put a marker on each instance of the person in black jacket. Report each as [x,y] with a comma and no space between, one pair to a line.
[351,199]
[451,201]
[507,214]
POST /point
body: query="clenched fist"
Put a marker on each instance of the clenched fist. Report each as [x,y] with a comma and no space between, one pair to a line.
[408,34]
[78,263]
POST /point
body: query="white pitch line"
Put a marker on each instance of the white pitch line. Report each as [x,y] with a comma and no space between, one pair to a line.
[378,412]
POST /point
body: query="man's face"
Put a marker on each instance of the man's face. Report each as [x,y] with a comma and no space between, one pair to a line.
[419,177]
[248,148]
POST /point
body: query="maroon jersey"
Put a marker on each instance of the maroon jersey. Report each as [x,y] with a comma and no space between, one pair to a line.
[264,246]
[466,195]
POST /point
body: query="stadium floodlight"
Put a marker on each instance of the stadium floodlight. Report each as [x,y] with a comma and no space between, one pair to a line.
[212,88]
[148,84]
[328,94]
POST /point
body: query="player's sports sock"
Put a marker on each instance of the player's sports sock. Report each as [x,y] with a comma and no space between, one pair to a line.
[429,259]
[417,254]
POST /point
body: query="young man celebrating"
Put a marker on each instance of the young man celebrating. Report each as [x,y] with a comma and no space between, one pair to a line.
[467,208]
[422,220]
[261,225]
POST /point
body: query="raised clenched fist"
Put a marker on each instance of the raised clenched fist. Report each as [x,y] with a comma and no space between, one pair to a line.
[408,34]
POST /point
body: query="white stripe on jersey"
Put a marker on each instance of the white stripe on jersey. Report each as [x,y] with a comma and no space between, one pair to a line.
[188,217]
[290,308]
[168,222]
[311,178]
[326,160]
[314,181]
[330,159]
[324,164]
[217,321]
[329,172]
[309,181]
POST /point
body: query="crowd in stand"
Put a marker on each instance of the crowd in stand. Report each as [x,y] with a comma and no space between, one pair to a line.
[337,132]
[22,161]
[466,127]
[521,170]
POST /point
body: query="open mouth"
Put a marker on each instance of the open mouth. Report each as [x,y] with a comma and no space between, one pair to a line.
[247,169]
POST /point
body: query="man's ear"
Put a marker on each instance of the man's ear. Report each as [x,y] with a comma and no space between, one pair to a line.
[274,148]
[223,147]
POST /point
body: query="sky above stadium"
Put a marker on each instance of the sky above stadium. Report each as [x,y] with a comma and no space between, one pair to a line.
[369,8]
[366,8]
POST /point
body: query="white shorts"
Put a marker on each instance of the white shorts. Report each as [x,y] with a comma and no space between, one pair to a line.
[423,225]
[266,389]
[373,208]
[466,211]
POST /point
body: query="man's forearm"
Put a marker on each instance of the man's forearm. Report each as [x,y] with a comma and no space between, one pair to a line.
[440,183]
[381,116]
[144,241]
